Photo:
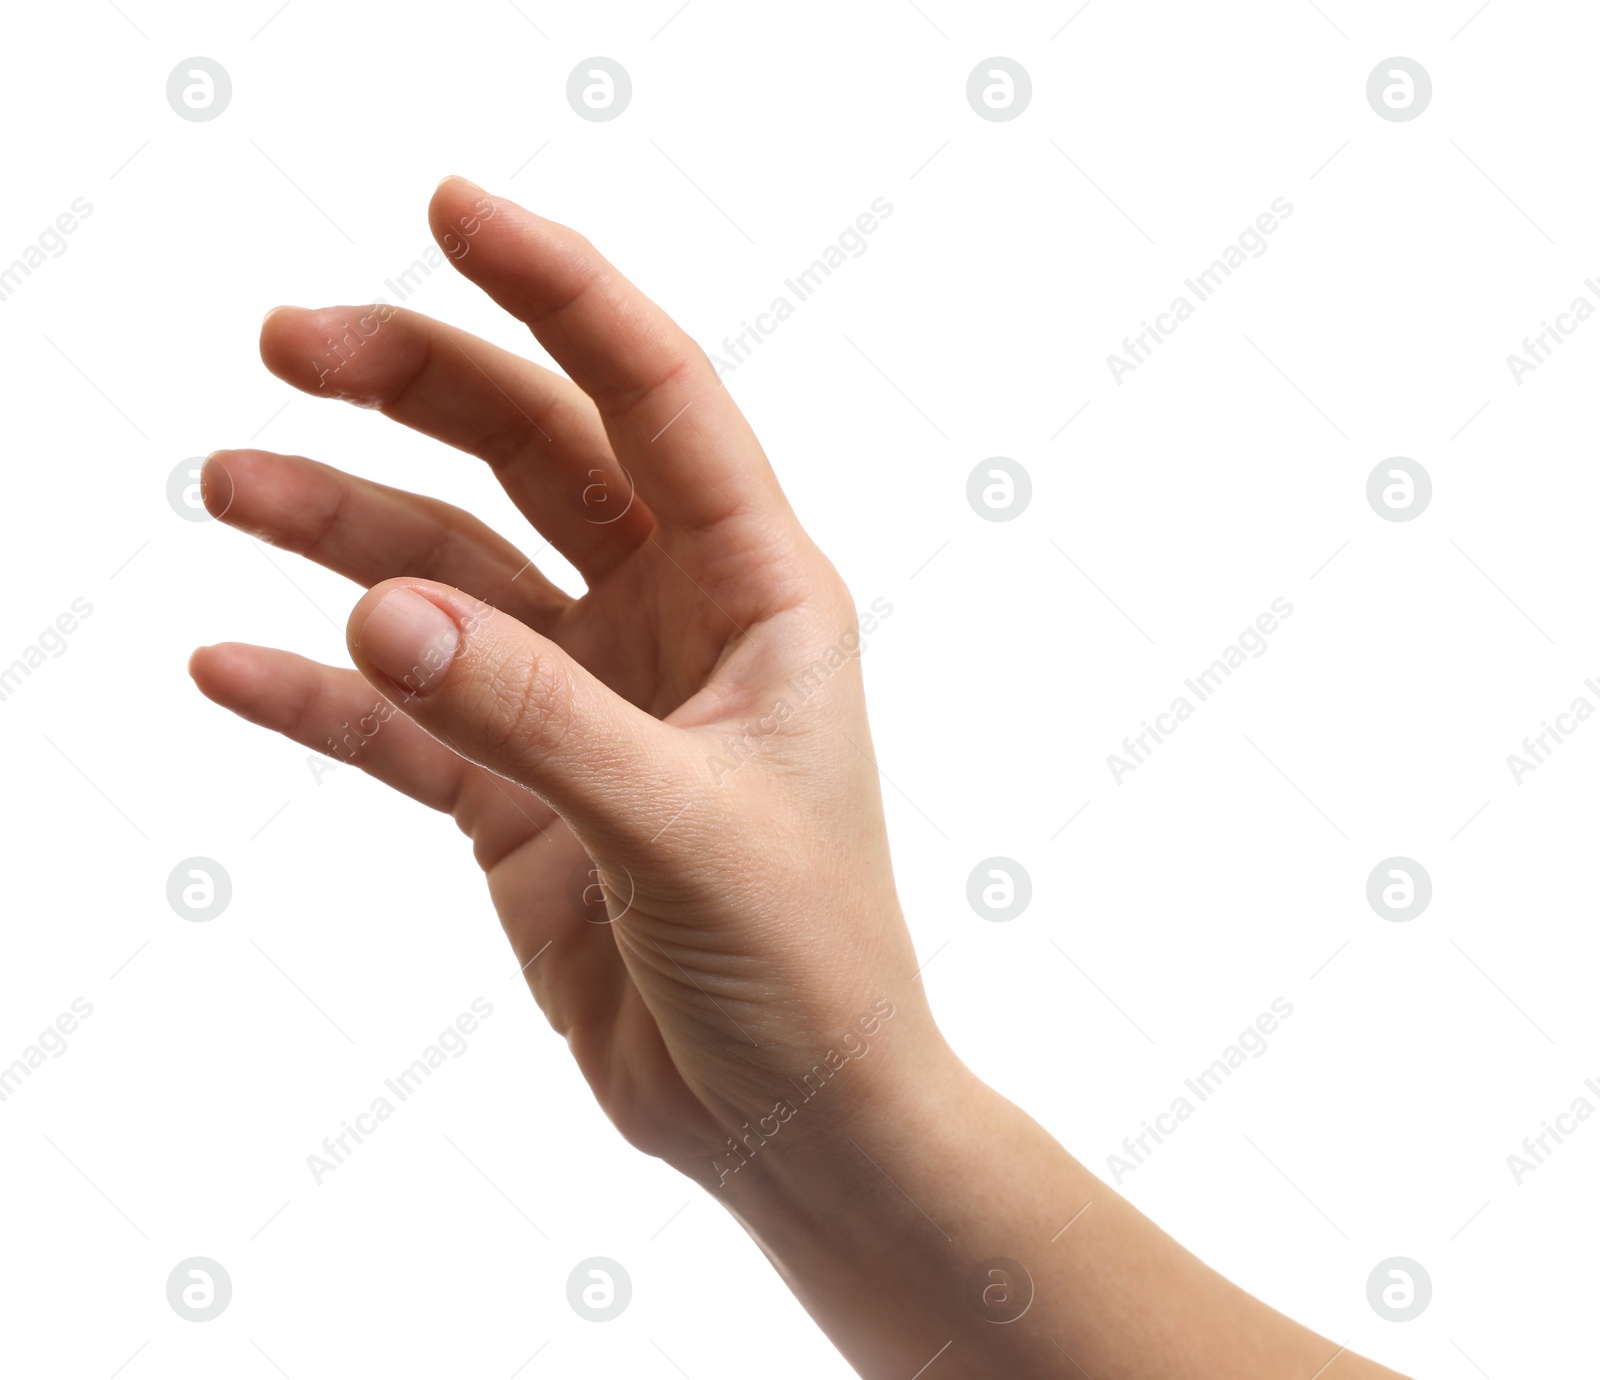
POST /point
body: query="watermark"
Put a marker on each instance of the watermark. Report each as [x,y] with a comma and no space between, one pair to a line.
[1140,346]
[51,241]
[451,245]
[1537,748]
[1539,347]
[999,889]
[199,1289]
[596,497]
[50,1044]
[199,89]
[999,89]
[1251,1043]
[353,335]
[592,893]
[1538,1148]
[51,644]
[599,89]
[186,491]
[1399,89]
[599,1289]
[1399,889]
[999,489]
[1000,1290]
[1251,644]
[850,243]
[353,736]
[451,1043]
[1399,1289]
[199,889]
[341,349]
[738,747]
[1399,489]
[852,1046]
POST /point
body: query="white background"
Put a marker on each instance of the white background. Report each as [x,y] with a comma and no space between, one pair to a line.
[1228,471]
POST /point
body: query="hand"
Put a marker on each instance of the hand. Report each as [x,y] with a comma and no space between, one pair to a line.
[690,736]
[694,723]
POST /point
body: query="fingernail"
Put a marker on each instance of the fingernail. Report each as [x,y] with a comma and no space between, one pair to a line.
[411,640]
[275,311]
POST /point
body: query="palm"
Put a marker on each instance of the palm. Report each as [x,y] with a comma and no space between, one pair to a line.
[649,633]
[641,635]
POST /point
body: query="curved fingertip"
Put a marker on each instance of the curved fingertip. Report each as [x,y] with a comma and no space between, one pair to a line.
[459,210]
[278,328]
[274,324]
[456,180]
[217,485]
[329,351]
[294,338]
[454,193]
[261,493]
[221,670]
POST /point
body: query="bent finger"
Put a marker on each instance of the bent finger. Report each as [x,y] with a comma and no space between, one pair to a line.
[672,424]
[538,432]
[370,532]
[513,701]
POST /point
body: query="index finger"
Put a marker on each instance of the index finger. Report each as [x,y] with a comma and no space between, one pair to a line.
[673,426]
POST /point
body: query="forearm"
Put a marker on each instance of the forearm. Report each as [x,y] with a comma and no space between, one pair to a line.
[900,1214]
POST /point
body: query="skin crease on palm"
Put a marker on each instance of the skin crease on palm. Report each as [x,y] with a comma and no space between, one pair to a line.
[751,919]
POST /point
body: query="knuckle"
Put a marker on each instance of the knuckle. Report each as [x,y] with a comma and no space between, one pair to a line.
[830,590]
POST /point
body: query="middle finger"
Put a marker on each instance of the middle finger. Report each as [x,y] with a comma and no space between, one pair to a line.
[539,432]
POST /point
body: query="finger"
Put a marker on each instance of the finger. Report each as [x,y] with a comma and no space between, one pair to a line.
[336,712]
[371,532]
[505,697]
[538,431]
[672,424]
[568,960]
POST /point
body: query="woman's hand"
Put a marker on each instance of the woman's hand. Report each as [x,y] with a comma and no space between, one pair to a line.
[669,782]
[694,723]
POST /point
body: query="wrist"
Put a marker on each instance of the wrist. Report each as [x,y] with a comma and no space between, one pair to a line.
[875,1064]
[817,1162]
[860,1203]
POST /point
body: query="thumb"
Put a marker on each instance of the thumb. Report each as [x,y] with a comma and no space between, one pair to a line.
[512,701]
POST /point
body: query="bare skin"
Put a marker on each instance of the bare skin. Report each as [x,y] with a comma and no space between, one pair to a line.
[689,856]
